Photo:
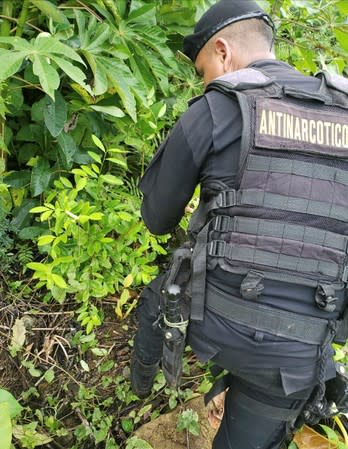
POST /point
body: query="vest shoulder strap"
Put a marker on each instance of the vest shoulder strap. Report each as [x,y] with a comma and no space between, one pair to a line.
[334,81]
[244,79]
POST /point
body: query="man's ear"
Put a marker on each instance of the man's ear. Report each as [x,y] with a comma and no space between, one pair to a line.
[224,52]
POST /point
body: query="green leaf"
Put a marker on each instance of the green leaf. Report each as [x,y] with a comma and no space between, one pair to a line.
[95,156]
[18,179]
[120,78]
[49,376]
[342,38]
[59,281]
[145,14]
[55,114]
[72,71]
[127,425]
[45,239]
[18,43]
[38,266]
[21,216]
[84,365]
[137,443]
[120,162]
[67,149]
[47,45]
[10,62]
[14,408]
[97,142]
[111,110]
[111,179]
[51,11]
[5,426]
[30,232]
[48,75]
[40,177]
[343,7]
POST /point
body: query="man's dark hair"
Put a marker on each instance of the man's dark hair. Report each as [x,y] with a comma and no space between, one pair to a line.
[253,30]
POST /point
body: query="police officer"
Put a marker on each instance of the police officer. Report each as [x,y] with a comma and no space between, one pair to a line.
[269,147]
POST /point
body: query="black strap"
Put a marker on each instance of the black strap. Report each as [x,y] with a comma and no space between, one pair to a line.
[272,228]
[290,325]
[259,257]
[259,408]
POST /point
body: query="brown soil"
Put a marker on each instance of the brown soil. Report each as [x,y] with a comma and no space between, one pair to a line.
[161,433]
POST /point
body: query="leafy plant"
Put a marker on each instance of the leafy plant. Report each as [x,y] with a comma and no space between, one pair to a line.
[188,420]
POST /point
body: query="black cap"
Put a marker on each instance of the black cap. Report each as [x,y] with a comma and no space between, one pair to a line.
[220,16]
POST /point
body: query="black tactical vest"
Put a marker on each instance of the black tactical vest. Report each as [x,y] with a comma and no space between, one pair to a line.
[288,219]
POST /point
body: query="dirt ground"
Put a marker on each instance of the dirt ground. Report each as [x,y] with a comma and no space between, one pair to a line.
[161,433]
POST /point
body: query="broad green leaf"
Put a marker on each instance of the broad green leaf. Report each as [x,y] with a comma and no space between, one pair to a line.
[5,426]
[343,7]
[111,179]
[117,161]
[145,14]
[21,216]
[18,179]
[100,36]
[97,142]
[30,233]
[120,78]
[95,157]
[49,376]
[67,149]
[51,11]
[38,266]
[40,177]
[137,443]
[48,75]
[342,38]
[47,45]
[18,43]
[72,71]
[55,114]
[111,110]
[59,281]
[10,62]
[38,209]
[45,239]
[14,408]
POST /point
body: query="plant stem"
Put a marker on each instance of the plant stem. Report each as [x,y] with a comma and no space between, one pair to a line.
[22,18]
[5,30]
[111,5]
[7,10]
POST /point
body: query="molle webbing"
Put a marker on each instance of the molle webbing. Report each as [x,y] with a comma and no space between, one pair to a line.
[274,261]
[293,204]
[296,186]
[298,168]
[256,226]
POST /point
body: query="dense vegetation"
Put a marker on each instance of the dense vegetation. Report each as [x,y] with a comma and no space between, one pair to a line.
[88,89]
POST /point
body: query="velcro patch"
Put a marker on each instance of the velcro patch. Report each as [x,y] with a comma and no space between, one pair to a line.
[285,126]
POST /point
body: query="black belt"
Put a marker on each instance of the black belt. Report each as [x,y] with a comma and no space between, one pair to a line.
[290,325]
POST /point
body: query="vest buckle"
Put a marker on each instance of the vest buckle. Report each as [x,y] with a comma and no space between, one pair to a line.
[222,223]
[226,198]
[217,248]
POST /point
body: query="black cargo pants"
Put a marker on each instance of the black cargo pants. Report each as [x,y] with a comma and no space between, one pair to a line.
[271,377]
